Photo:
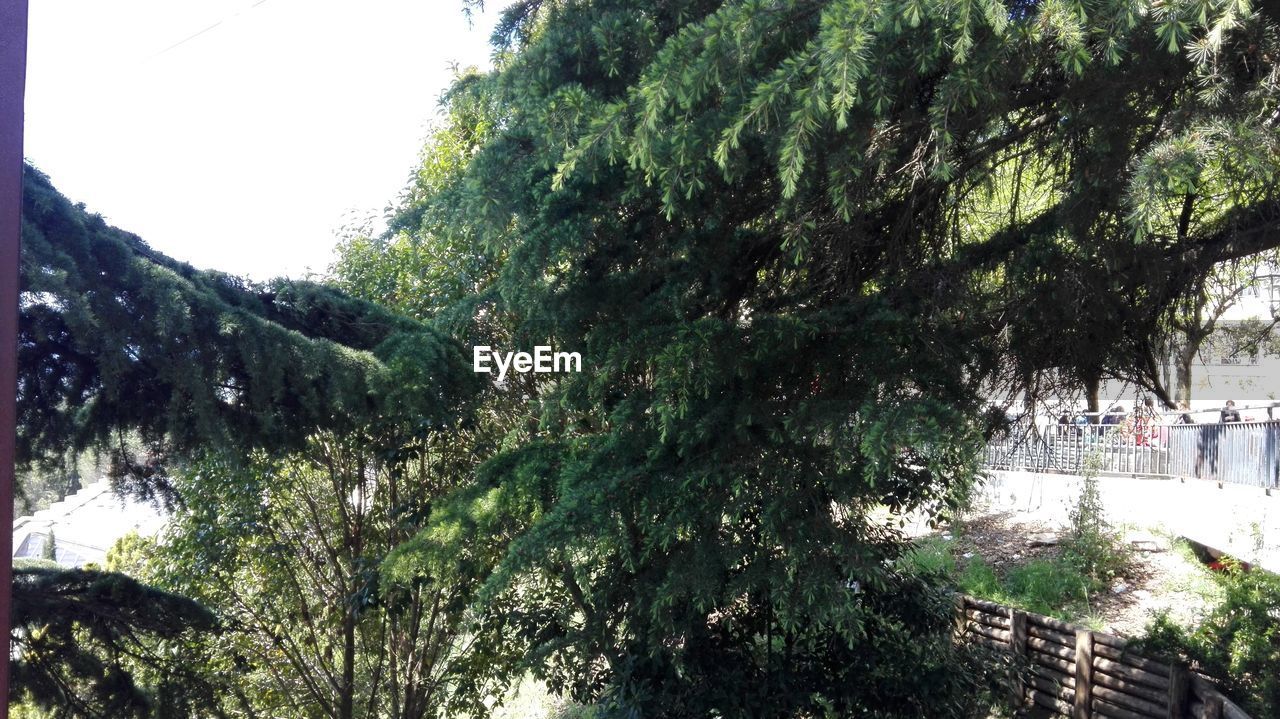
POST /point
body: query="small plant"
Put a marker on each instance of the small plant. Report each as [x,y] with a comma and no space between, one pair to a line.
[1092,546]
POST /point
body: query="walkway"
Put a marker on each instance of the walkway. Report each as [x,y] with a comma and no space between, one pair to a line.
[1239,520]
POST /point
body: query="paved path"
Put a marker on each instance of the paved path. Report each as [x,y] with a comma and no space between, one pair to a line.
[1242,521]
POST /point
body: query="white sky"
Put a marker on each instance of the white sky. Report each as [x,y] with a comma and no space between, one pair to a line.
[244,147]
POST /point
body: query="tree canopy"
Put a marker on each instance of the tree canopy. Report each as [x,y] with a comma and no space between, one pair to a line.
[118,340]
[122,346]
[801,245]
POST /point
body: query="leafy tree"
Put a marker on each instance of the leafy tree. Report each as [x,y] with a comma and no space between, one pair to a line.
[1195,317]
[422,266]
[288,549]
[791,241]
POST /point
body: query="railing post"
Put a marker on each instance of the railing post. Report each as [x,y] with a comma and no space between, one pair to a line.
[959,615]
[1178,680]
[1082,708]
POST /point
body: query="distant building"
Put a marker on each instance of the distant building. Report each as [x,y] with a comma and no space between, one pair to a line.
[1224,372]
[84,526]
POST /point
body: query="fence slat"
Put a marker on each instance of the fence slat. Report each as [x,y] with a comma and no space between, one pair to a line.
[1083,707]
[1048,686]
[999,635]
[1051,648]
[1133,674]
[1050,635]
[1067,668]
[994,620]
[1177,692]
[1152,695]
[1054,675]
[1111,711]
[1049,701]
[1142,706]
[1126,657]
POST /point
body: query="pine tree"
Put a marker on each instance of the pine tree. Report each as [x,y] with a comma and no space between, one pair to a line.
[83,637]
[119,343]
[799,244]
[121,346]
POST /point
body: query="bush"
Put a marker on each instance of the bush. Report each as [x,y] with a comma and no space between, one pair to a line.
[1238,643]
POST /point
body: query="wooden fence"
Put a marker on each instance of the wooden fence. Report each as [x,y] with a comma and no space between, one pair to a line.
[1081,674]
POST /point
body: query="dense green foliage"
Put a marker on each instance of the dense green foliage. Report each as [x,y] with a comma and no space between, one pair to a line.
[288,550]
[1237,643]
[86,643]
[122,348]
[117,340]
[798,244]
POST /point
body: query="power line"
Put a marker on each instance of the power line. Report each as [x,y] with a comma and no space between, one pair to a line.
[197,34]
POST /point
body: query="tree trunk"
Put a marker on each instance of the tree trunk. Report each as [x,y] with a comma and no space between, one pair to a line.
[1185,358]
[346,707]
[1092,387]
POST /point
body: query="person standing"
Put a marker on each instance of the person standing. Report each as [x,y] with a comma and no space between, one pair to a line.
[1229,413]
[1114,416]
[1144,422]
[1185,416]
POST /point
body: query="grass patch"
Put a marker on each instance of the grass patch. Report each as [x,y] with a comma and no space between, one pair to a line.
[1053,587]
[930,556]
[980,580]
[1050,587]
[1200,583]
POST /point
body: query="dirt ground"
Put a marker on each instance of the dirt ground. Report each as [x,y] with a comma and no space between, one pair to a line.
[1160,576]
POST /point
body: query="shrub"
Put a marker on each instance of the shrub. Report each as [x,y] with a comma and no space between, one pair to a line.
[1238,643]
[1092,547]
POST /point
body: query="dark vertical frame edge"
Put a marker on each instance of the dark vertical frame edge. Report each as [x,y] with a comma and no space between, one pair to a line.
[13,70]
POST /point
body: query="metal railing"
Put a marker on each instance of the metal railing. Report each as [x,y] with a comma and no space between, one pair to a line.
[1246,453]
[1239,452]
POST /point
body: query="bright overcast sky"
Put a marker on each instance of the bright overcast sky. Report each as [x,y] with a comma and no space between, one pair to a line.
[239,134]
